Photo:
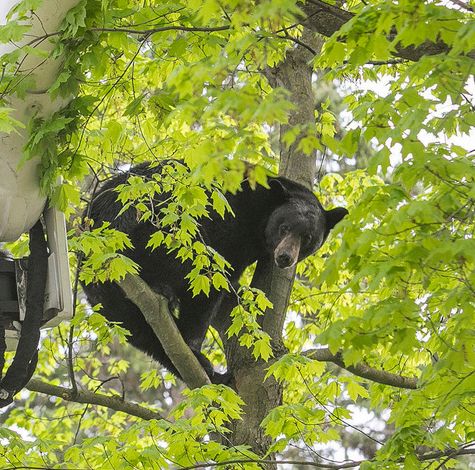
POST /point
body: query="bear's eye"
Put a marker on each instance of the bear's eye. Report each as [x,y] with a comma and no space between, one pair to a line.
[307,239]
[284,229]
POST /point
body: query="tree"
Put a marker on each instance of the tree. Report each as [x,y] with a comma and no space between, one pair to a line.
[381,319]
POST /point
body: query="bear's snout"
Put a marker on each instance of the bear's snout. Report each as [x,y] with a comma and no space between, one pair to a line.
[287,251]
[283,260]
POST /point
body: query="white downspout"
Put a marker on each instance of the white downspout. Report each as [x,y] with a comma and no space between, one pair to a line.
[21,202]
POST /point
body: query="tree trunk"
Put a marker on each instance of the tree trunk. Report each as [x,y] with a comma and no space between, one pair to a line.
[294,74]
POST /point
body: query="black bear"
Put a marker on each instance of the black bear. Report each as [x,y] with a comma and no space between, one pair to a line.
[285,221]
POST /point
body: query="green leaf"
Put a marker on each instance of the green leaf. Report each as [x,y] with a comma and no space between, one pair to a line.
[199,284]
[355,390]
[156,239]
[7,123]
[65,194]
[220,282]
[134,107]
[13,31]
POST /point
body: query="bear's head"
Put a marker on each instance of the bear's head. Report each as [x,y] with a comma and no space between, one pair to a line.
[299,225]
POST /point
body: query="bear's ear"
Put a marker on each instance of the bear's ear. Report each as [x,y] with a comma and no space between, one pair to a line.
[278,186]
[334,216]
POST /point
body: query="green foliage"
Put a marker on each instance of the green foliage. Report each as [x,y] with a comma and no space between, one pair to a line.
[102,261]
[392,288]
[245,322]
[7,123]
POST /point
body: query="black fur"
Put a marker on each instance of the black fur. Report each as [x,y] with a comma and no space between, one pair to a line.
[263,217]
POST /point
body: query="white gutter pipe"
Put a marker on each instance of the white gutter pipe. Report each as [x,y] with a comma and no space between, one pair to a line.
[21,202]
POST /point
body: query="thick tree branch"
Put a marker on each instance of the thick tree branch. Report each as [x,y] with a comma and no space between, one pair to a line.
[154,308]
[324,18]
[363,370]
[327,19]
[90,398]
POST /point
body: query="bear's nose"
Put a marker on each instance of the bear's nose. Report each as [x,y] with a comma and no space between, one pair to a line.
[284,260]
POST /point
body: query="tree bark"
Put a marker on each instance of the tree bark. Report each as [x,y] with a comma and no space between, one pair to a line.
[363,370]
[326,19]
